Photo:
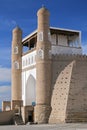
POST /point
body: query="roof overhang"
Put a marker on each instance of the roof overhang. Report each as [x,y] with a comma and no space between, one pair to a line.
[53,30]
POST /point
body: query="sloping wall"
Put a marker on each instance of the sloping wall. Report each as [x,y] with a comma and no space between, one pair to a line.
[76,110]
[69,88]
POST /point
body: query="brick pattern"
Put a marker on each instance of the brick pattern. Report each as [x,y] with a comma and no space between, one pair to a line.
[16,68]
[43,69]
[69,89]
[61,81]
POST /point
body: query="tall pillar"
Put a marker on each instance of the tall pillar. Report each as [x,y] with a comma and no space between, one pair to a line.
[43,68]
[16,68]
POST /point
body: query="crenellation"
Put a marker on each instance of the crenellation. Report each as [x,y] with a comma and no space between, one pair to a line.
[69,57]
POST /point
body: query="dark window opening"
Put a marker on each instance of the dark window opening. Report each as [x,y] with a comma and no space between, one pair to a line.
[30,116]
[32,45]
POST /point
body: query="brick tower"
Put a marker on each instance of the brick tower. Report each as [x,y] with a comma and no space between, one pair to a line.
[16,68]
[43,68]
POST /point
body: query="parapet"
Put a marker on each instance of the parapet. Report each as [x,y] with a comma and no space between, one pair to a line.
[69,57]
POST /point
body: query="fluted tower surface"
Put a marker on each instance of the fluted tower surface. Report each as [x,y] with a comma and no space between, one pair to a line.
[43,68]
[16,67]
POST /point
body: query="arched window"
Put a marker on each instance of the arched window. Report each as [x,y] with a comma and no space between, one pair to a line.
[23,63]
[7,108]
[16,50]
[16,65]
[40,36]
[29,60]
[32,60]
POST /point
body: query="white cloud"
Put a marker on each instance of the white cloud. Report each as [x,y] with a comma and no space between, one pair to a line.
[5,74]
[5,53]
[4,89]
[8,22]
[5,94]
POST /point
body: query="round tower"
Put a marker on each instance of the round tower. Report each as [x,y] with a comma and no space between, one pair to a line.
[43,68]
[16,68]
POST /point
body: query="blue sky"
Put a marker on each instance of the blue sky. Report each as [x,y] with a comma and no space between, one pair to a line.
[70,14]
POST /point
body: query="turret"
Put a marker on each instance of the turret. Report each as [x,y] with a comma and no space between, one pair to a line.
[16,68]
[43,68]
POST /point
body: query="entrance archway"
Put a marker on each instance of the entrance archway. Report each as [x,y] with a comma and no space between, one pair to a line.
[30,91]
[7,108]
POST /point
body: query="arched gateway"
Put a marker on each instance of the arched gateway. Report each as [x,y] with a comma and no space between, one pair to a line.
[30,90]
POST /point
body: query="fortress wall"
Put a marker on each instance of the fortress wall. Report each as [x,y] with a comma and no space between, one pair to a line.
[68,82]
[6,117]
[76,110]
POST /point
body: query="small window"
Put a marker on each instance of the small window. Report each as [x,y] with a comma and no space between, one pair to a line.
[29,60]
[40,36]
[49,35]
[16,50]
[32,60]
[16,65]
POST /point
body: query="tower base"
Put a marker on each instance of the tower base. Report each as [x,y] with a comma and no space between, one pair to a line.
[42,113]
[16,105]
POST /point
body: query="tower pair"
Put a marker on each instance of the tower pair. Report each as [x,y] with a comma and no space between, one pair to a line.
[43,68]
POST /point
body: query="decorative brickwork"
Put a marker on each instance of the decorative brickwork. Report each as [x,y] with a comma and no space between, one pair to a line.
[69,89]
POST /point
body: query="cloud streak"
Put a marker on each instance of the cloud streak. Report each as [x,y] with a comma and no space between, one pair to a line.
[7,22]
[4,89]
[5,57]
[5,94]
[5,74]
[5,52]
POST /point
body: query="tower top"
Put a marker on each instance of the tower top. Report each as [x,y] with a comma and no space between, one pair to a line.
[43,10]
[17,29]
